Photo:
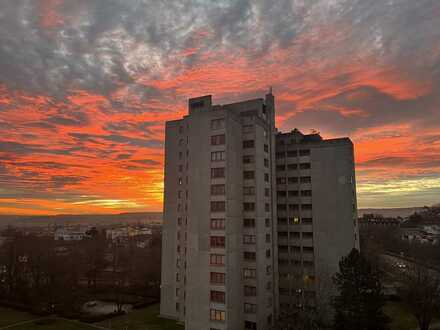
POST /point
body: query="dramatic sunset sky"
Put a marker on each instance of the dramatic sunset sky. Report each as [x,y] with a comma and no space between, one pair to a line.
[86,85]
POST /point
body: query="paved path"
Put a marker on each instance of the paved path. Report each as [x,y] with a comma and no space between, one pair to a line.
[11,326]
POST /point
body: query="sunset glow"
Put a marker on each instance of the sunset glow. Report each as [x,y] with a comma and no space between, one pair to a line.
[86,86]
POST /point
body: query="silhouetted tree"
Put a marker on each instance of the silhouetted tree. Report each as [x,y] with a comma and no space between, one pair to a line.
[421,292]
[360,300]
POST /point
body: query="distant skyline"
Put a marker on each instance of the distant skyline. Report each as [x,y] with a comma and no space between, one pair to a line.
[86,85]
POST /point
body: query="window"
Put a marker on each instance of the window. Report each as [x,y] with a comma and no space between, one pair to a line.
[180,142]
[306,206]
[248,144]
[249,239]
[266,148]
[248,190]
[267,221]
[218,296]
[179,221]
[266,162]
[281,193]
[248,159]
[294,220]
[267,238]
[248,206]
[248,325]
[281,167]
[249,273]
[217,140]
[217,223]
[304,152]
[292,153]
[218,123]
[216,259]
[217,172]
[282,221]
[292,179]
[267,253]
[217,241]
[218,206]
[180,129]
[266,192]
[248,175]
[217,315]
[217,278]
[267,207]
[307,235]
[180,168]
[293,207]
[180,155]
[306,193]
[304,166]
[218,189]
[293,193]
[249,255]
[250,291]
[292,166]
[281,180]
[268,269]
[179,194]
[281,207]
[280,155]
[180,181]
[250,308]
[217,156]
[306,220]
[249,222]
[308,249]
[266,177]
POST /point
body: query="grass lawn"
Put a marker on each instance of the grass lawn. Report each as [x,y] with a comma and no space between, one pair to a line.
[144,318]
[52,324]
[401,318]
[10,316]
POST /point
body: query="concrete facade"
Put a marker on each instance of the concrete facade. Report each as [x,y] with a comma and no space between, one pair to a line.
[219,236]
[317,214]
[253,219]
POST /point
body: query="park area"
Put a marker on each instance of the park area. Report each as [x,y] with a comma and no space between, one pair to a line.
[137,319]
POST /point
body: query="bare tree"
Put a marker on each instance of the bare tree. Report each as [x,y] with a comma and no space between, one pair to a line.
[421,292]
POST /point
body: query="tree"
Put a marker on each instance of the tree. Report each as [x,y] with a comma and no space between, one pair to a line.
[421,292]
[360,300]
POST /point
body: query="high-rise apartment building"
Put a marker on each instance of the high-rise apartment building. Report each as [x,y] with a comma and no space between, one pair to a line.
[253,218]
[219,237]
[317,214]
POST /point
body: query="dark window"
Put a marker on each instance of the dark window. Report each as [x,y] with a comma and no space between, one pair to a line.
[267,221]
[293,207]
[306,206]
[267,207]
[266,192]
[266,177]
[218,189]
[217,241]
[217,172]
[249,273]
[218,140]
[306,193]
[304,166]
[304,152]
[218,123]
[248,144]
[267,238]
[282,221]
[280,155]
[250,291]
[218,296]
[293,193]
[292,166]
[307,235]
[249,222]
[306,179]
[292,153]
[266,162]
[249,325]
[217,206]
[250,308]
[306,220]
[217,278]
[248,175]
[281,193]
[249,159]
[281,207]
[217,259]
[249,255]
[281,167]
[292,179]
[248,206]
[281,180]
[249,239]
[248,190]
[267,253]
[266,148]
